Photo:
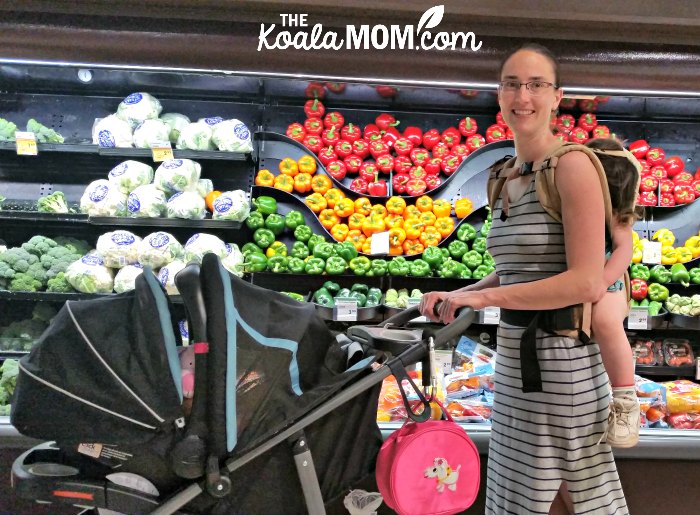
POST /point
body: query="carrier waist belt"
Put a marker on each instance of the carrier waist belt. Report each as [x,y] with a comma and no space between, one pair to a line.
[551,321]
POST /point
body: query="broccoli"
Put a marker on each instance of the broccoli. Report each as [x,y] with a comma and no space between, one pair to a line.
[43,312]
[8,383]
[25,282]
[54,203]
[19,259]
[57,260]
[39,245]
[59,284]
[7,130]
[6,271]
[74,245]
[2,199]
[43,133]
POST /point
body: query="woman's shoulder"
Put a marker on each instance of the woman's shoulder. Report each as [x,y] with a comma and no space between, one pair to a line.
[575,159]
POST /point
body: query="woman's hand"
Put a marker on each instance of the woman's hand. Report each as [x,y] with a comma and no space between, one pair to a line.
[450,304]
[428,301]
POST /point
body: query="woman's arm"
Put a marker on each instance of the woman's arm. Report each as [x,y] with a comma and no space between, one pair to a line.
[429,299]
[621,255]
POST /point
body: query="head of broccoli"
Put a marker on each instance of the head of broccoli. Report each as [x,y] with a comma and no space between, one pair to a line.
[59,284]
[18,258]
[25,282]
[54,203]
[39,245]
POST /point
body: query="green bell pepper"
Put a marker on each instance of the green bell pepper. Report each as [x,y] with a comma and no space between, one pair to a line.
[466,232]
[374,297]
[640,271]
[277,248]
[433,256]
[360,297]
[315,240]
[479,245]
[657,292]
[450,269]
[361,287]
[251,247]
[332,286]
[344,293]
[296,296]
[360,265]
[488,260]
[694,275]
[335,265]
[314,266]
[266,205]
[654,308]
[379,268]
[485,228]
[445,253]
[346,250]
[255,220]
[296,265]
[300,250]
[419,268]
[277,264]
[275,223]
[464,273]
[263,238]
[481,272]
[472,259]
[399,266]
[660,274]
[323,298]
[679,274]
[457,249]
[254,262]
[303,233]
[323,250]
[293,219]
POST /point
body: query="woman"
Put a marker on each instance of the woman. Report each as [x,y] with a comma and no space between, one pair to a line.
[544,453]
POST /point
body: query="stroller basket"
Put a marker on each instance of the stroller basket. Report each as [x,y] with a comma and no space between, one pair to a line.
[267,369]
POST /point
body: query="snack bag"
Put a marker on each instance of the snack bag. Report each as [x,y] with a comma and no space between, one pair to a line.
[678,352]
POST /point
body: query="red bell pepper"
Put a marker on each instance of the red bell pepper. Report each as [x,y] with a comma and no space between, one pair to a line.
[313,143]
[416,187]
[387,91]
[495,133]
[639,289]
[658,171]
[562,136]
[360,148]
[334,119]
[639,148]
[648,198]
[351,133]
[327,154]
[385,163]
[649,183]
[313,126]
[667,200]
[337,169]
[414,135]
[588,104]
[451,137]
[331,136]
[655,156]
[433,166]
[378,148]
[467,126]
[578,135]
[371,129]
[682,179]
[646,168]
[385,120]
[398,182]
[697,174]
[431,138]
[567,103]
[475,141]
[417,172]
[565,123]
[314,109]
[440,150]
[665,186]
[343,148]
[674,165]
[601,131]
[500,121]
[420,156]
[353,163]
[368,171]
[683,194]
[359,186]
[450,163]
[696,188]
[390,136]
[315,90]
[296,132]
[461,151]
[403,146]
[402,164]
[587,121]
[377,187]
[336,87]
[432,182]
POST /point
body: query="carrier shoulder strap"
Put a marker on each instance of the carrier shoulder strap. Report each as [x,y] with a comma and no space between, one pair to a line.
[498,174]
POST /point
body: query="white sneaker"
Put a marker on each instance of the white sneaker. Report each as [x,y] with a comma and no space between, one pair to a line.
[623,422]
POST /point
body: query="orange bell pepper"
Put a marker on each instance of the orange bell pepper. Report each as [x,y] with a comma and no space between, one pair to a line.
[355,221]
[328,218]
[332,196]
[442,208]
[367,246]
[265,177]
[395,250]
[411,247]
[430,237]
[445,225]
[395,205]
[463,207]
[321,184]
[424,204]
[379,210]
[396,236]
[288,166]
[356,237]
[340,232]
[307,164]
[344,207]
[302,182]
[411,212]
[372,225]
[392,221]
[414,228]
[363,206]
[316,202]
[284,183]
[428,218]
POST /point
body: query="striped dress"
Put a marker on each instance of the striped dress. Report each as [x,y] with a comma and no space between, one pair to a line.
[540,439]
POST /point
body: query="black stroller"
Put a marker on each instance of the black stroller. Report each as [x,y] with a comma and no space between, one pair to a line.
[104,386]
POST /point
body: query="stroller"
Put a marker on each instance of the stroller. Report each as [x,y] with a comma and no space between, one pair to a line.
[104,385]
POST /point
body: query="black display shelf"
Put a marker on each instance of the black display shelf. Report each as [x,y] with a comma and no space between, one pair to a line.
[43,296]
[659,370]
[301,283]
[42,218]
[77,148]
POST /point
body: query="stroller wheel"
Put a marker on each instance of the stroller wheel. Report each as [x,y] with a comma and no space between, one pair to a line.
[218,486]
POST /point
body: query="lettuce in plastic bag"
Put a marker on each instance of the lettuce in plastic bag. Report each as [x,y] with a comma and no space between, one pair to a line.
[125,280]
[102,198]
[111,131]
[231,205]
[205,187]
[195,136]
[139,107]
[176,175]
[202,243]
[211,121]
[167,274]
[232,136]
[158,249]
[175,122]
[186,204]
[118,249]
[129,175]
[150,132]
[90,275]
[146,201]
[233,262]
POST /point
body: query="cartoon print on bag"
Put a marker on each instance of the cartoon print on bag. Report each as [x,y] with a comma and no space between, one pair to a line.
[444,474]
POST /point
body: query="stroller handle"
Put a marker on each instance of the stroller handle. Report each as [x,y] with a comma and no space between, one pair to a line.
[190,288]
[465,317]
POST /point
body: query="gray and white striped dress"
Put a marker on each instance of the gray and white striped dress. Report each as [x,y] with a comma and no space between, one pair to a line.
[540,439]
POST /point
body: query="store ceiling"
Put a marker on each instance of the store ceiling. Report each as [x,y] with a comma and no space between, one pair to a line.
[626,44]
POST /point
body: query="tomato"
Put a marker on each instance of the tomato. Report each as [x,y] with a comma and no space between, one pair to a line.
[210,198]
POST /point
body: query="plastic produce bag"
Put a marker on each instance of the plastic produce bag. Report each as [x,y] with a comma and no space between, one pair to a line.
[195,136]
[186,204]
[102,198]
[175,122]
[112,131]
[125,280]
[204,187]
[146,202]
[118,249]
[90,275]
[158,249]
[167,274]
[150,132]
[233,262]
[139,107]
[211,121]
[232,136]
[202,243]
[176,175]
[231,205]
[129,175]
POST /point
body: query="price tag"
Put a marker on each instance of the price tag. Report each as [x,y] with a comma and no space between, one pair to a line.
[162,151]
[638,317]
[26,143]
[492,315]
[380,243]
[345,310]
[651,252]
[697,368]
[414,302]
[444,361]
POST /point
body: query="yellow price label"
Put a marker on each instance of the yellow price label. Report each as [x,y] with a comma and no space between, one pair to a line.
[26,143]
[162,151]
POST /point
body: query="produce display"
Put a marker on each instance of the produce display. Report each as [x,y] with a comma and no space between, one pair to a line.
[21,335]
[9,370]
[42,133]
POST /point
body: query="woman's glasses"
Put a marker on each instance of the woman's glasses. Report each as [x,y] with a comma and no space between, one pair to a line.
[535,87]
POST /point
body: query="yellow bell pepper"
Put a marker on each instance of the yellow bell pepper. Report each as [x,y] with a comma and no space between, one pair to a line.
[412,247]
[463,207]
[424,203]
[392,221]
[442,208]
[344,207]
[396,236]
[379,210]
[683,254]
[428,218]
[332,196]
[637,253]
[328,218]
[665,236]
[413,227]
[373,224]
[668,255]
[356,237]
[367,246]
[693,243]
[445,225]
[395,205]
[411,212]
[340,232]
[363,206]
[430,237]
[355,221]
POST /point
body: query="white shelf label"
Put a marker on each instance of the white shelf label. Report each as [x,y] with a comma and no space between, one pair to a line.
[414,302]
[651,252]
[638,317]
[379,243]
[26,143]
[697,368]
[345,310]
[162,151]
[492,315]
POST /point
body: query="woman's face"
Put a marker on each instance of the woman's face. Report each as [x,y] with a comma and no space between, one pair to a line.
[528,114]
